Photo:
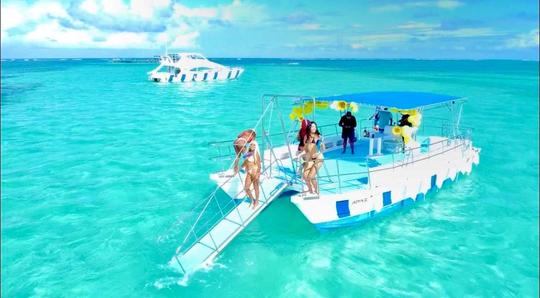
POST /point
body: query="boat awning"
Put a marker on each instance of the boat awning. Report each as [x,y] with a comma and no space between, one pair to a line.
[400,100]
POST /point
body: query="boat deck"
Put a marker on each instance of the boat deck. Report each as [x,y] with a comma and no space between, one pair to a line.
[352,169]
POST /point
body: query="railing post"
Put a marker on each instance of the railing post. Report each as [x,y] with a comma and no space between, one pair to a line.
[286,139]
[338,175]
[179,263]
[219,206]
[212,238]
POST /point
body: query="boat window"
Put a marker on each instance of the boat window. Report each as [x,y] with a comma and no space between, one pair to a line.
[196,57]
[175,57]
[200,69]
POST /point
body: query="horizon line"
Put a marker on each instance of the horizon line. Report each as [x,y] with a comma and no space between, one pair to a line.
[287,58]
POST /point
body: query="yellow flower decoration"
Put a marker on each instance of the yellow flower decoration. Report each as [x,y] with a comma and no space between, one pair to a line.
[308,107]
[353,106]
[296,114]
[322,105]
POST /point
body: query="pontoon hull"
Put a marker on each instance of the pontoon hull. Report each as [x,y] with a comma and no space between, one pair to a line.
[390,187]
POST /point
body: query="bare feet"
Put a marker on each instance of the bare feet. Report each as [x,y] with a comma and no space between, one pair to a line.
[255,204]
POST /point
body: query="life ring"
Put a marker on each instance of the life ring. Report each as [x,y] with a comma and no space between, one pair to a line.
[244,138]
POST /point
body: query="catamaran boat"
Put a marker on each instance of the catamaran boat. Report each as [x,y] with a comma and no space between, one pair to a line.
[191,67]
[390,169]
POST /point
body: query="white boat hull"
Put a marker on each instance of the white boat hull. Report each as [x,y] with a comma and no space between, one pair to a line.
[197,76]
[390,187]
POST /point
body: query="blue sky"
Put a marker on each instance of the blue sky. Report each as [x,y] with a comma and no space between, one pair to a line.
[420,29]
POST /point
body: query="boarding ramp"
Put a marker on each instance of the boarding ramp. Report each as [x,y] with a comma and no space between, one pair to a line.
[226,211]
[214,230]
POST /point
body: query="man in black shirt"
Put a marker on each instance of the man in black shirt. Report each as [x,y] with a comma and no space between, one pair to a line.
[348,123]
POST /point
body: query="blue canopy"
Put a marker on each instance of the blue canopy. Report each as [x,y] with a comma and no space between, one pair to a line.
[400,100]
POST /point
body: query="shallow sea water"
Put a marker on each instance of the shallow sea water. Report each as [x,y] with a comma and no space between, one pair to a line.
[101,170]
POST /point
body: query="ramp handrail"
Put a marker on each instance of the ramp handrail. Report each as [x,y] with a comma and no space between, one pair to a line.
[194,235]
[209,197]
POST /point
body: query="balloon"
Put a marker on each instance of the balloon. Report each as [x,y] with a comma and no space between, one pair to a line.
[339,105]
[353,106]
[396,130]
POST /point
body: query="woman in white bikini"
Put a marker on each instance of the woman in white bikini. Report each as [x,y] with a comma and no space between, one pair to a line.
[252,165]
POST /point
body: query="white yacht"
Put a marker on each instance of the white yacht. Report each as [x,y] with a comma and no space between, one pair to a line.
[190,67]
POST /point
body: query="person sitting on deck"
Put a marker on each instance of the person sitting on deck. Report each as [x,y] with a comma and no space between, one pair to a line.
[252,165]
[348,124]
[244,138]
[313,157]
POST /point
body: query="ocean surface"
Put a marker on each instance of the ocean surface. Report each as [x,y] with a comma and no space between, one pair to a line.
[101,170]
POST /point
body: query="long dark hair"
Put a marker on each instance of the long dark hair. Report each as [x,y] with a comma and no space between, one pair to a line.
[308,130]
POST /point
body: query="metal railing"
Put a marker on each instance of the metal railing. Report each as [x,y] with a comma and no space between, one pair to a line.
[399,159]
[215,208]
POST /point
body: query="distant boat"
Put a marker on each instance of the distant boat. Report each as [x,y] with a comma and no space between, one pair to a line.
[189,67]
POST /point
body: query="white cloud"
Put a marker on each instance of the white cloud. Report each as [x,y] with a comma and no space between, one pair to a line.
[309,26]
[200,12]
[11,17]
[114,7]
[45,24]
[418,31]
[184,40]
[123,40]
[239,12]
[442,4]
[46,9]
[462,32]
[121,23]
[53,35]
[376,40]
[90,6]
[526,40]
[146,9]
[387,8]
[418,25]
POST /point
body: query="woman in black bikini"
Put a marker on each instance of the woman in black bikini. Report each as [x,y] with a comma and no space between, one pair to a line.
[313,157]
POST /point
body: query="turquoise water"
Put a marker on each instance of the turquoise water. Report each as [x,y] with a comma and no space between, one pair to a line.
[101,170]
